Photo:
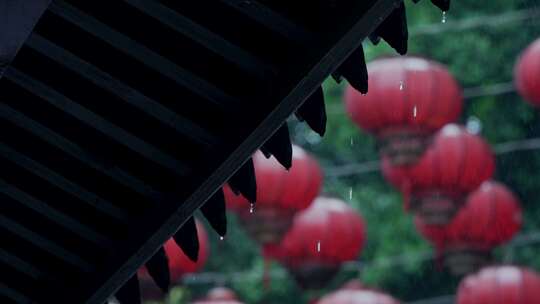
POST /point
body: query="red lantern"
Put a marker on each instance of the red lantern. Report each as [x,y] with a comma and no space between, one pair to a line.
[434,188]
[527,74]
[491,217]
[179,263]
[322,237]
[502,284]
[357,296]
[280,195]
[409,99]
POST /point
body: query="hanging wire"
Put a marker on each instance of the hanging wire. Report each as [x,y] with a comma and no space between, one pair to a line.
[468,94]
[373,166]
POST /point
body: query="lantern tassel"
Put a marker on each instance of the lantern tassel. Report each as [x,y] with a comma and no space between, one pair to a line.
[406,192]
[439,263]
[267,280]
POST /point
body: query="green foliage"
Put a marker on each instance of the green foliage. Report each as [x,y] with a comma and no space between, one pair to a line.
[477,57]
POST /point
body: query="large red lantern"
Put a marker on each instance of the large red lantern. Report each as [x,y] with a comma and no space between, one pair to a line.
[527,74]
[280,195]
[409,99]
[322,237]
[491,217]
[456,163]
[502,284]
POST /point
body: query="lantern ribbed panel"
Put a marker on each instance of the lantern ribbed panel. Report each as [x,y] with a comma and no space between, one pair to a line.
[405,93]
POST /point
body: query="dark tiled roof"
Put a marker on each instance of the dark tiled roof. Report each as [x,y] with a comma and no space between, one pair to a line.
[121,118]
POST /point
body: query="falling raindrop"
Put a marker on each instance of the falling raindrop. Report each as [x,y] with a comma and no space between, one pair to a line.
[415,111]
[352,142]
[443,17]
[350,193]
[401,86]
[318,246]
[251,208]
[221,238]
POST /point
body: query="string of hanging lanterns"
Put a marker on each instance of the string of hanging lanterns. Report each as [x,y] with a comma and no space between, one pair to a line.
[437,170]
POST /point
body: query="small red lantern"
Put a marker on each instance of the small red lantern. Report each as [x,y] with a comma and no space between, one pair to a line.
[527,74]
[409,99]
[280,195]
[322,237]
[179,263]
[357,296]
[434,188]
[502,284]
[491,217]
